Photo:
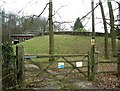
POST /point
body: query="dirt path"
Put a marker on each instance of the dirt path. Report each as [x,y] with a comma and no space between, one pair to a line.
[56,84]
[69,85]
[105,81]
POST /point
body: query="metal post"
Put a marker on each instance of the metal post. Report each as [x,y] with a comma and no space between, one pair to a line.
[51,34]
[92,43]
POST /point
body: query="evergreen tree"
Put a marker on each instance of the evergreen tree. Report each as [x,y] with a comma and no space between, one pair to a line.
[77,24]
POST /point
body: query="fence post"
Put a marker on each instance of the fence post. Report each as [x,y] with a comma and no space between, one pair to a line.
[95,65]
[20,65]
[92,67]
[88,66]
[118,63]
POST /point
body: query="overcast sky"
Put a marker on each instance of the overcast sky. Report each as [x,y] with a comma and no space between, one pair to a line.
[71,9]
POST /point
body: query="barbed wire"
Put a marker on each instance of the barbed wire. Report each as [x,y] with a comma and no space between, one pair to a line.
[89,12]
[80,18]
[25,6]
[87,21]
[59,9]
[42,11]
[111,25]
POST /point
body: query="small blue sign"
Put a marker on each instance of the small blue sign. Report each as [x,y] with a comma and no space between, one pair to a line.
[61,65]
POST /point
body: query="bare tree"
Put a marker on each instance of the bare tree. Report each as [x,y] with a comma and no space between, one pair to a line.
[112,31]
[105,28]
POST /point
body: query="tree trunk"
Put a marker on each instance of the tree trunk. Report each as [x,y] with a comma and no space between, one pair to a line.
[112,31]
[0,52]
[105,28]
[118,63]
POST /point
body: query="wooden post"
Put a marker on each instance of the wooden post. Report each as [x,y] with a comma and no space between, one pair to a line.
[20,65]
[0,52]
[88,66]
[118,62]
[51,34]
[92,43]
[95,65]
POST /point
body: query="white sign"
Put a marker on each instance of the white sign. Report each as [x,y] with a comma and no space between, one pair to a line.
[61,65]
[78,64]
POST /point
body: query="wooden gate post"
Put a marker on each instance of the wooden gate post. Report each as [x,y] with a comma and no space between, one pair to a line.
[20,65]
[95,65]
[92,43]
[89,66]
[118,63]
[51,33]
[92,66]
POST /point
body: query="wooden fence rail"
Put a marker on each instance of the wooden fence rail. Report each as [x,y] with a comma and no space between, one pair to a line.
[53,56]
[97,62]
[64,57]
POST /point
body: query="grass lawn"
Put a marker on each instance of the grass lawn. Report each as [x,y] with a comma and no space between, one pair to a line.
[63,44]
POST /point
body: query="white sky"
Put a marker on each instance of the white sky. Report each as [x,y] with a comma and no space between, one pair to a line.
[71,10]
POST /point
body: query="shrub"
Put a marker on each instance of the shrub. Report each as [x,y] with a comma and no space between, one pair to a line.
[8,67]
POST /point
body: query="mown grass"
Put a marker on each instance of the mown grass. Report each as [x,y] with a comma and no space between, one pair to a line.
[63,44]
